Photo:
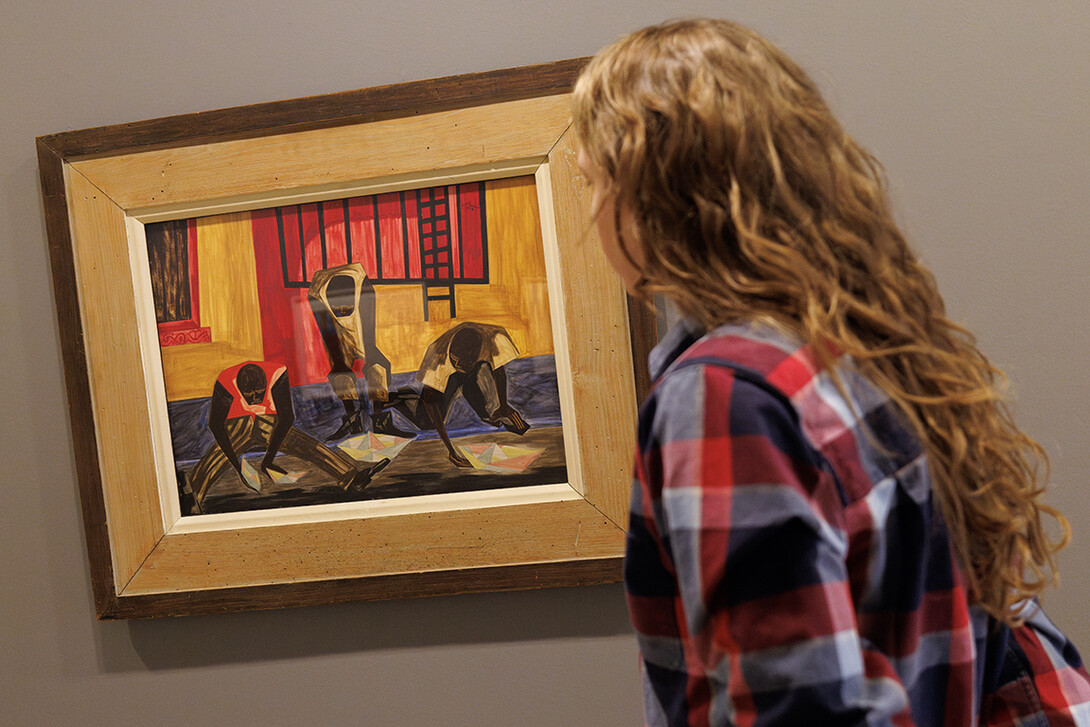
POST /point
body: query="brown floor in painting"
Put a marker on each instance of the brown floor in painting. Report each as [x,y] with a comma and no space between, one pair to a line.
[421,468]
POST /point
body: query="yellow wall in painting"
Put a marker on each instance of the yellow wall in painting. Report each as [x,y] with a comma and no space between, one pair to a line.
[228,306]
[516,297]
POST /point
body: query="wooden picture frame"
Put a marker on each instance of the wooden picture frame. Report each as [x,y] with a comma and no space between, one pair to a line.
[101,186]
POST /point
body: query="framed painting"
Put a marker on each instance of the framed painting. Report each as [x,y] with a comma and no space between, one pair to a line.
[346,347]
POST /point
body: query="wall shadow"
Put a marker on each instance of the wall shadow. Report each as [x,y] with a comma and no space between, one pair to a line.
[201,641]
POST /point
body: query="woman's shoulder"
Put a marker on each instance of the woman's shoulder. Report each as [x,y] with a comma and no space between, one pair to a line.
[761,376]
[726,379]
[757,350]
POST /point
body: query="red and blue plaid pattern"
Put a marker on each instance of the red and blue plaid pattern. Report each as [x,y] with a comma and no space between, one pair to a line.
[788,565]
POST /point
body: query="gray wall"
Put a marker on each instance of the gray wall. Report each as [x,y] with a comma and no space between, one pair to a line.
[978,108]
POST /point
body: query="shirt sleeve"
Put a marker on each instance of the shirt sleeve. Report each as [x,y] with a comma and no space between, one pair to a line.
[736,567]
[1042,681]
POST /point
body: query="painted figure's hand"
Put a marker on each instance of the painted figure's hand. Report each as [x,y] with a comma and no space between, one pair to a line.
[457,458]
[268,468]
[510,420]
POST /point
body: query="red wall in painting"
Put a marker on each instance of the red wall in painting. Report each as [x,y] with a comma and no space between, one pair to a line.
[287,326]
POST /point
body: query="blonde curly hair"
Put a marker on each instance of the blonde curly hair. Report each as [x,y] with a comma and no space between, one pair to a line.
[748,200]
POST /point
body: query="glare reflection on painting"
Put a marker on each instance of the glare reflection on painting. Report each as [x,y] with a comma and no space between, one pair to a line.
[365,348]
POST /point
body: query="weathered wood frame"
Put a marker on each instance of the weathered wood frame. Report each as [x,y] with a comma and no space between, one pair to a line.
[100,186]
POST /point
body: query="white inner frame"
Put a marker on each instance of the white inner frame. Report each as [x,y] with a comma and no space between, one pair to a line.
[175,523]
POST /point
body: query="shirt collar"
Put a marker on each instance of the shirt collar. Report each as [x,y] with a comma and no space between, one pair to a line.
[681,334]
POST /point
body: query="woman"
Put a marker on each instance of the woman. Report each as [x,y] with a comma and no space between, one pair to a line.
[836,520]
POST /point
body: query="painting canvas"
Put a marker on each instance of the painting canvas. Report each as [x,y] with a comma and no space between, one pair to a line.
[372,347]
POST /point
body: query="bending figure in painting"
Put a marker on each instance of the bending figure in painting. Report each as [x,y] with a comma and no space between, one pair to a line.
[251,409]
[468,361]
[343,302]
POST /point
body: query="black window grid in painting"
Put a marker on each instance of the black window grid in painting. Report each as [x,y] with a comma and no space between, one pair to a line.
[436,255]
[289,280]
[437,270]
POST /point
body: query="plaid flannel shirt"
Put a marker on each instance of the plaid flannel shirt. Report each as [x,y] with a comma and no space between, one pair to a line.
[787,563]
